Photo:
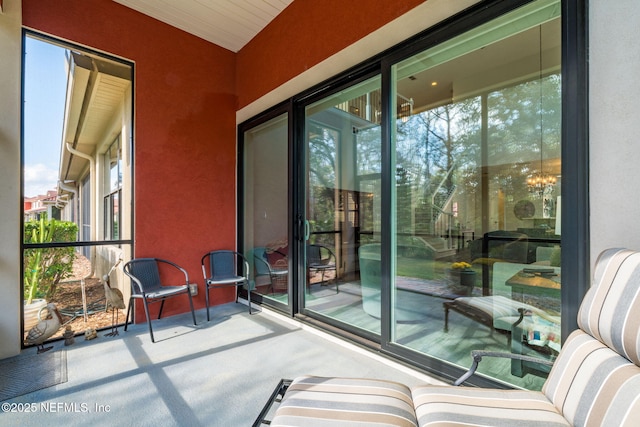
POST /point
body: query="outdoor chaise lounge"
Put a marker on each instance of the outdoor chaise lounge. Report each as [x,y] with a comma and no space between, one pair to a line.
[502,311]
[595,381]
[503,314]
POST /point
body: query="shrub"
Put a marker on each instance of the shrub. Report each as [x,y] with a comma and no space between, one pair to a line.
[44,268]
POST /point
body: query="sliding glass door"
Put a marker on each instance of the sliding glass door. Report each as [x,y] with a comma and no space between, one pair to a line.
[415,201]
[266,216]
[342,172]
[476,237]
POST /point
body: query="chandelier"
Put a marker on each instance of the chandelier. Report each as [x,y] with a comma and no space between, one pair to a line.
[541,184]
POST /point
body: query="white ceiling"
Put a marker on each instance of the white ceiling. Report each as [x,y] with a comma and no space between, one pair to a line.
[228,23]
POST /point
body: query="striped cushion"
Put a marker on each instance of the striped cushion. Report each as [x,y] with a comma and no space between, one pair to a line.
[465,406]
[610,311]
[332,402]
[594,386]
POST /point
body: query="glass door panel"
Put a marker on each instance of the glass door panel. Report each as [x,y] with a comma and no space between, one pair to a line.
[265,180]
[342,202]
[477,161]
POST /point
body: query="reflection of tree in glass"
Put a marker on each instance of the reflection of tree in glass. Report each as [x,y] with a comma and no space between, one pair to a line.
[322,176]
[369,151]
[432,145]
[446,138]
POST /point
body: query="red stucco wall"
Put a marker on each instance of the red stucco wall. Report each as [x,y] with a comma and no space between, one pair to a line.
[185,150]
[186,94]
[304,34]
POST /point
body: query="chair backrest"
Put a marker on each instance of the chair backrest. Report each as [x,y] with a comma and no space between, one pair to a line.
[144,273]
[313,254]
[596,378]
[610,312]
[225,264]
[260,264]
[318,254]
[507,245]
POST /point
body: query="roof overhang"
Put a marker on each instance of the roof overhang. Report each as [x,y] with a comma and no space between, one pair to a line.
[95,94]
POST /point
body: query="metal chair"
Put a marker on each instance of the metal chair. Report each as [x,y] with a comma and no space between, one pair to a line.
[221,269]
[146,285]
[321,258]
[278,274]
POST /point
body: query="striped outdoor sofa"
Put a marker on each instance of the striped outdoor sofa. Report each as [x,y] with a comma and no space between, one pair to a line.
[595,381]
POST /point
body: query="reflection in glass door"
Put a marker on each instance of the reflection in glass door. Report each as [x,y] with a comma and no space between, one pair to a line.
[475,235]
[342,177]
[265,216]
[472,182]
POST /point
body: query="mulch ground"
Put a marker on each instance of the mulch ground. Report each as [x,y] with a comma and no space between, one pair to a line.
[68,299]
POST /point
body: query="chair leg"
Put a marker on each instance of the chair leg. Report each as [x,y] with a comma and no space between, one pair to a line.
[207,299]
[249,298]
[146,311]
[446,317]
[161,307]
[129,310]
[193,313]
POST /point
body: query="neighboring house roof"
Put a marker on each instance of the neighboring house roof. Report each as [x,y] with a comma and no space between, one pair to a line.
[36,204]
[95,90]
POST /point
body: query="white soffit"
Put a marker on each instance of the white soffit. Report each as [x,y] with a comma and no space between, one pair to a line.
[230,24]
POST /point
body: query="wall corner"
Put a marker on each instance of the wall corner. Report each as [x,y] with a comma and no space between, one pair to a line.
[10,208]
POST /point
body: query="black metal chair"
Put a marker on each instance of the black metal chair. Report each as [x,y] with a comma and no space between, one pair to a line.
[277,274]
[321,259]
[224,268]
[146,285]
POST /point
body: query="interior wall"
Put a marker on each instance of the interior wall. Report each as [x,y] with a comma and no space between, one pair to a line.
[614,104]
[10,203]
[184,126]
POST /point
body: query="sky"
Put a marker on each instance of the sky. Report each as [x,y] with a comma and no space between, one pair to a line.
[44,95]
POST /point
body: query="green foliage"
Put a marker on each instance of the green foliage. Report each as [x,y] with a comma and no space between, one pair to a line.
[45,267]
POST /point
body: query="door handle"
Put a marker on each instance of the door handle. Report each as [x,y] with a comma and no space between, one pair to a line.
[307,230]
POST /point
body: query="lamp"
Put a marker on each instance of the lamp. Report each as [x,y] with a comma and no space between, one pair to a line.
[540,183]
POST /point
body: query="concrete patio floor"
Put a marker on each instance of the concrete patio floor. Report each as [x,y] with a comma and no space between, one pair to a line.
[218,373]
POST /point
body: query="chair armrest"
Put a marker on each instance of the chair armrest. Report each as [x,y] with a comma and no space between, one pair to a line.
[265,266]
[477,356]
[136,283]
[173,264]
[245,265]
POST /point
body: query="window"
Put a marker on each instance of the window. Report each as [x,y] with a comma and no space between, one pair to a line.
[82,181]
[113,182]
